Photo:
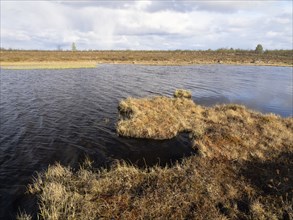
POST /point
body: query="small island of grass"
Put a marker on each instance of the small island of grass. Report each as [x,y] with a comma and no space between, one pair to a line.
[231,130]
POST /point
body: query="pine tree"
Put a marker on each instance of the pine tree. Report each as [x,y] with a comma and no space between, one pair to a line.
[259,48]
[73,47]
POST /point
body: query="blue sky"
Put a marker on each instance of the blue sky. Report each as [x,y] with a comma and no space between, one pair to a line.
[146,25]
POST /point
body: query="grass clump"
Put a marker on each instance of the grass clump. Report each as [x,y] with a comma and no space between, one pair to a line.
[157,118]
[232,131]
[23,216]
[197,188]
[181,93]
[243,171]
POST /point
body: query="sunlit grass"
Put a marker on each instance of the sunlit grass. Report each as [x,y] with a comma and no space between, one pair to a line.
[231,130]
[197,188]
[48,65]
[243,169]
[181,93]
[178,57]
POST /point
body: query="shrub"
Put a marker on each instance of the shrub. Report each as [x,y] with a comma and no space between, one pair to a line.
[259,49]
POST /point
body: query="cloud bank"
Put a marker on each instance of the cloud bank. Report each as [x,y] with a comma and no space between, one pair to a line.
[146,25]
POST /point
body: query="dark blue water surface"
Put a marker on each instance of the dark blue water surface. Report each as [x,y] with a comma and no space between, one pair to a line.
[64,115]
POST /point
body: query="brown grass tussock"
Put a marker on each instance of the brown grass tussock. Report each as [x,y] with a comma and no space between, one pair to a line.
[244,170]
[232,131]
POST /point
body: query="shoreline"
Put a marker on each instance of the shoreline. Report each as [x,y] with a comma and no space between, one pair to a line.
[241,169]
[93,64]
[47,65]
[17,59]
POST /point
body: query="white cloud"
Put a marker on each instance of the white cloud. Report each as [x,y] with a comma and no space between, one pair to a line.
[146,24]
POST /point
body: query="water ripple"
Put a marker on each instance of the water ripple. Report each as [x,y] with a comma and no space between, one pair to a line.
[64,115]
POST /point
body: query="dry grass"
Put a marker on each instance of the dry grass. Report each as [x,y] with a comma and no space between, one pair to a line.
[181,93]
[48,65]
[198,188]
[235,57]
[244,170]
[23,216]
[232,131]
[157,118]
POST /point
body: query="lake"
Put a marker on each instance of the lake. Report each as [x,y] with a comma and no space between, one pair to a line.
[66,115]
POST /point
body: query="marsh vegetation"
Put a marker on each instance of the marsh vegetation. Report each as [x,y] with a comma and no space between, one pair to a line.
[31,65]
[232,131]
[178,57]
[243,169]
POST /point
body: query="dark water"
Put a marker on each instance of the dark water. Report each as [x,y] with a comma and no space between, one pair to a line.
[63,115]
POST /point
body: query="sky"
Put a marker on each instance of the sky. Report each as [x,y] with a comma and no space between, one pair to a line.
[146,25]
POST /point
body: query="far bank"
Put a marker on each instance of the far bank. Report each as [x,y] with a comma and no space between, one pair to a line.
[15,59]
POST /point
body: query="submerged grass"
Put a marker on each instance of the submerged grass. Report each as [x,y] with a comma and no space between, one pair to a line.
[244,169]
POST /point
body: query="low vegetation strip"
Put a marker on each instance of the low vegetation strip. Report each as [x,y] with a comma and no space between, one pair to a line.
[197,188]
[244,169]
[231,131]
[179,57]
[48,65]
